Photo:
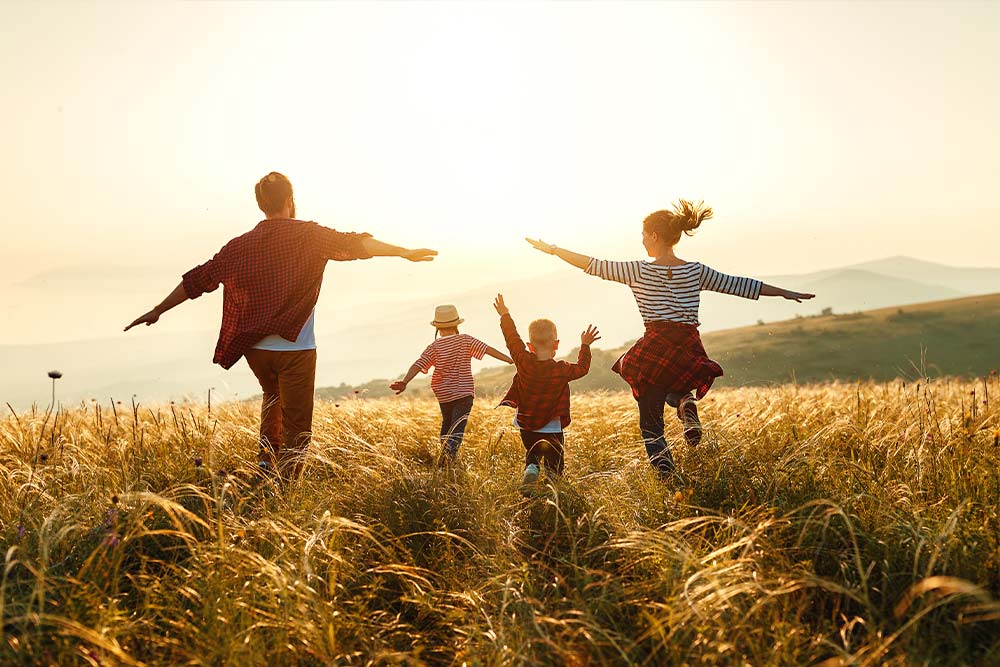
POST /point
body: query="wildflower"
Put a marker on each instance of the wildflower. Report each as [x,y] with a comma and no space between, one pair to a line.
[222,473]
[43,457]
[55,375]
[679,497]
[336,405]
[20,531]
[114,499]
[197,462]
[111,539]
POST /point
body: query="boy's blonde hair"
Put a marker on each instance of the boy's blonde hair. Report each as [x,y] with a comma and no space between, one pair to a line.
[542,332]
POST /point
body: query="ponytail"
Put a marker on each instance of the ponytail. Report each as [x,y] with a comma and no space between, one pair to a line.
[684,218]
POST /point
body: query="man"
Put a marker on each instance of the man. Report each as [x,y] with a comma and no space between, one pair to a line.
[272,276]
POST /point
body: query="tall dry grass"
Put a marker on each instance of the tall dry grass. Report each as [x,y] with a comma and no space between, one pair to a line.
[832,525]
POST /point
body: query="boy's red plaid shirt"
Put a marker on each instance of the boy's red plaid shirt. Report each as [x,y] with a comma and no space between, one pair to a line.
[272,275]
[540,390]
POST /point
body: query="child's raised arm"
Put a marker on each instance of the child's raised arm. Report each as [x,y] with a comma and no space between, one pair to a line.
[515,345]
[582,365]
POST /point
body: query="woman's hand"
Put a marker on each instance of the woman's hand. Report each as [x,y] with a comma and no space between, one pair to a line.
[419,254]
[797,296]
[538,244]
[500,306]
[590,335]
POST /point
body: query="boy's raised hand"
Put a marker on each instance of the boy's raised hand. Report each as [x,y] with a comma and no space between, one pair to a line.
[399,387]
[501,307]
[590,335]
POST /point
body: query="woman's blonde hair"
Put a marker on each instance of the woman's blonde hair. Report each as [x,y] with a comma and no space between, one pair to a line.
[684,218]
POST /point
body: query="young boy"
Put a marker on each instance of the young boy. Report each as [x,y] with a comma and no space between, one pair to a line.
[451,355]
[540,390]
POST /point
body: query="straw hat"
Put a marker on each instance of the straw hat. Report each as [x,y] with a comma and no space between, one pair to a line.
[446,316]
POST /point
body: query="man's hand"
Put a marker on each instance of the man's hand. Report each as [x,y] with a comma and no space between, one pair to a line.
[420,255]
[149,318]
[539,244]
[590,335]
[501,307]
[398,386]
[797,296]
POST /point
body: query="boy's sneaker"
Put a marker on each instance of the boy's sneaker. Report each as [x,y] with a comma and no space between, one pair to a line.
[687,412]
[530,474]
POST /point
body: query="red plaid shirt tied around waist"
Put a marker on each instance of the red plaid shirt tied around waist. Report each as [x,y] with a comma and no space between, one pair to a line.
[272,277]
[670,356]
[540,390]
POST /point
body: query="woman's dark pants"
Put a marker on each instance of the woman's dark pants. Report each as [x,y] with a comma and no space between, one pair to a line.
[651,403]
[454,416]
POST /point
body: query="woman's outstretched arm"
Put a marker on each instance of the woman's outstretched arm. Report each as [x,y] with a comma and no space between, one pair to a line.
[568,256]
[771,290]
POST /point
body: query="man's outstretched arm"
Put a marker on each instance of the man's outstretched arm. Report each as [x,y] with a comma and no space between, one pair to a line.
[177,297]
[377,248]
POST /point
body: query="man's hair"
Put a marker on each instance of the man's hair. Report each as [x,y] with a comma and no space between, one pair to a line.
[542,332]
[272,192]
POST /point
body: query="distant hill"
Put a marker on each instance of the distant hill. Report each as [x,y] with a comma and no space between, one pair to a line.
[953,337]
[379,338]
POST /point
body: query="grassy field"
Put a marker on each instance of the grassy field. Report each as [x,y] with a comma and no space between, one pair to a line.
[831,525]
[957,337]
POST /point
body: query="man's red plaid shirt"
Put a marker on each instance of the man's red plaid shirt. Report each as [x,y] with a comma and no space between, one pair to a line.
[540,390]
[272,275]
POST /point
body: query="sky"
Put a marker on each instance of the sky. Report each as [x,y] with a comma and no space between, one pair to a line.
[822,134]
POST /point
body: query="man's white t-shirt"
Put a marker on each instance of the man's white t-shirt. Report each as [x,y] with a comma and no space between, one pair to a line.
[305,341]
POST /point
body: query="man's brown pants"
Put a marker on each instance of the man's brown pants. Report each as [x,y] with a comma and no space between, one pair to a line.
[288,380]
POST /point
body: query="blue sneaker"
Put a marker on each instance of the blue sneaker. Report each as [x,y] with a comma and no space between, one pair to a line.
[530,474]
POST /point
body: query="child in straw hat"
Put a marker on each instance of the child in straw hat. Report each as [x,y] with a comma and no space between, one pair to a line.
[450,354]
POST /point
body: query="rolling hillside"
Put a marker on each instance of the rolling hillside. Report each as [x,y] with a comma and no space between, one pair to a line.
[58,326]
[953,337]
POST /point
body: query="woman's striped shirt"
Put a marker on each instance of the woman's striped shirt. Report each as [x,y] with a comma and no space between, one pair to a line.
[672,293]
[451,357]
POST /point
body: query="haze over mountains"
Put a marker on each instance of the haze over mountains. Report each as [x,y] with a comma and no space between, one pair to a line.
[361,341]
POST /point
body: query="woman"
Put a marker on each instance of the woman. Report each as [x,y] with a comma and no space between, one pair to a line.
[669,362]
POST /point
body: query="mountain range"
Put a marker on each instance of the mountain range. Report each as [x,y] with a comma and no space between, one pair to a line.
[381,339]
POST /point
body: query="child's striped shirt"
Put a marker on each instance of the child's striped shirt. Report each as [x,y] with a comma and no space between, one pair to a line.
[451,357]
[672,293]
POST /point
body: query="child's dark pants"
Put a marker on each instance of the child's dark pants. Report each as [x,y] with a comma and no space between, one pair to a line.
[454,416]
[546,448]
[651,404]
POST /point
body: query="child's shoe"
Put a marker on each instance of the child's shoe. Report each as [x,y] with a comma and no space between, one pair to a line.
[530,474]
[687,412]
